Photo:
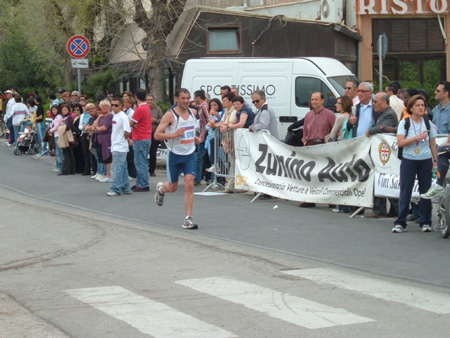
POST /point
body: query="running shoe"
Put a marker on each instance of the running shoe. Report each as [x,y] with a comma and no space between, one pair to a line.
[112,193]
[159,198]
[398,228]
[426,228]
[188,224]
[434,191]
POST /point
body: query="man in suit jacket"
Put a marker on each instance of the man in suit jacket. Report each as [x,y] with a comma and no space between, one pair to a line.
[387,116]
[387,119]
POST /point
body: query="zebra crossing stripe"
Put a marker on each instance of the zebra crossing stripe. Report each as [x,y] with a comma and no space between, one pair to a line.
[390,291]
[148,316]
[292,309]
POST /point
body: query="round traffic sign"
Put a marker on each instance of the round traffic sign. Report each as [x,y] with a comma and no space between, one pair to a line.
[78,46]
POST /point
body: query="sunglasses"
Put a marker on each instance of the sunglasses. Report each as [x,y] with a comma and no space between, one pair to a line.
[255,101]
[115,105]
[348,88]
[362,91]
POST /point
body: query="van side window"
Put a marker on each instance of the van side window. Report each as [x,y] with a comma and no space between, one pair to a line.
[305,86]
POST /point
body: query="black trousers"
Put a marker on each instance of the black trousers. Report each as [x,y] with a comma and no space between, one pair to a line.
[130,162]
[86,153]
[68,162]
[152,153]
[79,157]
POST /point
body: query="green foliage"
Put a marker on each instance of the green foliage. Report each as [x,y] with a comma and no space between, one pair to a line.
[164,105]
[100,83]
[18,67]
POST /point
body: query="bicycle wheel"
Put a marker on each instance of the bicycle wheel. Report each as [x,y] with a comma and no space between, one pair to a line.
[2,128]
[445,233]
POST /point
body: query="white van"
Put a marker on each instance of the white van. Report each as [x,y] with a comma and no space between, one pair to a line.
[288,83]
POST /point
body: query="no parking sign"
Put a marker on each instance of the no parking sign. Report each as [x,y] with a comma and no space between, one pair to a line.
[78,46]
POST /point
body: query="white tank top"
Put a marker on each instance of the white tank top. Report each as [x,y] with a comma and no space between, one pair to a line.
[185,144]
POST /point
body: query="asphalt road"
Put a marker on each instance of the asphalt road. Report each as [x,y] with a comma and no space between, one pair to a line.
[67,247]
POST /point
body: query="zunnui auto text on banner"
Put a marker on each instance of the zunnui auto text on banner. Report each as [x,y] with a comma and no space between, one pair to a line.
[336,173]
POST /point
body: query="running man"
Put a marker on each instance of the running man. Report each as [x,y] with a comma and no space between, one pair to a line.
[177,129]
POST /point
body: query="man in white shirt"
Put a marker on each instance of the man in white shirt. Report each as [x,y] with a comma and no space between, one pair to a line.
[394,101]
[19,112]
[8,116]
[120,136]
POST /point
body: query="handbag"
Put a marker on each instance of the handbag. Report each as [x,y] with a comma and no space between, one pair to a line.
[46,137]
[294,138]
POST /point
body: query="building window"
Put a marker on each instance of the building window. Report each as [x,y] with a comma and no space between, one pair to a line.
[224,40]
[416,52]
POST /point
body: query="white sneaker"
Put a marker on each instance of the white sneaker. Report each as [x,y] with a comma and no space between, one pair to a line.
[8,144]
[398,228]
[100,177]
[159,198]
[189,224]
[95,176]
[55,170]
[211,169]
[106,180]
[112,194]
[434,191]
[426,228]
[130,178]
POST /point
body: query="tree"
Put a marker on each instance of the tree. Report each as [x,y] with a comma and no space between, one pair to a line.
[157,27]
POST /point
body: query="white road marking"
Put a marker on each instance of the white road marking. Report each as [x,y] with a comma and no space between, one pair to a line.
[150,317]
[393,292]
[292,309]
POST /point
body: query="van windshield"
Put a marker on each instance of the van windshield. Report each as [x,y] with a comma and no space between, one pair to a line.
[339,82]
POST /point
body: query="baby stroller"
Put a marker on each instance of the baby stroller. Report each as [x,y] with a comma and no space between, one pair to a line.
[27,143]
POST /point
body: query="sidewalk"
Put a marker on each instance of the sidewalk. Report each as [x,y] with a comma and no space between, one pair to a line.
[17,321]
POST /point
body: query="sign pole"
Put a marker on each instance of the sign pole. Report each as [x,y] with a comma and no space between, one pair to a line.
[78,47]
[380,61]
[79,80]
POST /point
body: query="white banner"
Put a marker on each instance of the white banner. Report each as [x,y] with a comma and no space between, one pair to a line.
[384,156]
[332,173]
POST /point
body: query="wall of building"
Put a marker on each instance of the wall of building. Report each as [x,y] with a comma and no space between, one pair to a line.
[409,10]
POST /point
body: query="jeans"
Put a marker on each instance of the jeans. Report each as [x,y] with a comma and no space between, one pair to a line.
[408,171]
[58,154]
[199,154]
[101,167]
[119,172]
[141,150]
[16,132]
[40,129]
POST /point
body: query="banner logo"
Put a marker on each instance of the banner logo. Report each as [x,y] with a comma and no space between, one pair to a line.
[384,150]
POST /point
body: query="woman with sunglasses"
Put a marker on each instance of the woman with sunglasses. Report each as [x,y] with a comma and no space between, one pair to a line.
[78,150]
[344,108]
[103,130]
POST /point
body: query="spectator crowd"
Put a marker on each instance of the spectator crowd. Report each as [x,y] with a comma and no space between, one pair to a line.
[113,140]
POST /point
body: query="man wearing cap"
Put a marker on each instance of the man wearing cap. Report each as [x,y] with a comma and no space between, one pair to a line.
[61,92]
[8,117]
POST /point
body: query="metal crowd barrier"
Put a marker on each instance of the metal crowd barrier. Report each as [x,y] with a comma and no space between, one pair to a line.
[224,159]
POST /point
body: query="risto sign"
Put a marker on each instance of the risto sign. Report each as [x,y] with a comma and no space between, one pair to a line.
[374,7]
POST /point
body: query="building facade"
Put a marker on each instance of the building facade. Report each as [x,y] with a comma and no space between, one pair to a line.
[417,39]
